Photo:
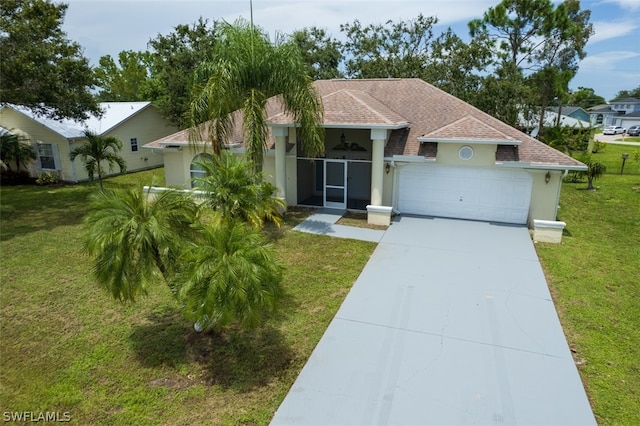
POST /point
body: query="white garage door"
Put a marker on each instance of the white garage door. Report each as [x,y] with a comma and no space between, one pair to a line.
[488,194]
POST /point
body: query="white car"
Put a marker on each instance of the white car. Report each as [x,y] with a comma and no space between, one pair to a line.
[614,130]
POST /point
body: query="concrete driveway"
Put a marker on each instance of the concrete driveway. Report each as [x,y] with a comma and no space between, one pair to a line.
[450,322]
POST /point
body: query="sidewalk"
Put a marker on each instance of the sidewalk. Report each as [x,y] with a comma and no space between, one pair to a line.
[323,222]
[612,140]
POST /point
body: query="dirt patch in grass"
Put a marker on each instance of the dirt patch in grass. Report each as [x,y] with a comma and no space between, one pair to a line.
[358,220]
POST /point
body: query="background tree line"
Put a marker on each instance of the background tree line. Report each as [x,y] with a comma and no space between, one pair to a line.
[516,60]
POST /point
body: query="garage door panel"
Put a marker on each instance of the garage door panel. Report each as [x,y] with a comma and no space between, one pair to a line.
[489,194]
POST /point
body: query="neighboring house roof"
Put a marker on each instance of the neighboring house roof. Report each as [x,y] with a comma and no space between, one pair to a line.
[567,110]
[602,109]
[626,101]
[551,118]
[631,114]
[413,110]
[114,114]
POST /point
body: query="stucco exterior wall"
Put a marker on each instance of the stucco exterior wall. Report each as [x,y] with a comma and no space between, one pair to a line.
[544,196]
[13,120]
[176,168]
[146,126]
[269,173]
[483,155]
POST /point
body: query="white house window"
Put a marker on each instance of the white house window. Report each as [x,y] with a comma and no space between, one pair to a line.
[134,144]
[48,156]
[197,171]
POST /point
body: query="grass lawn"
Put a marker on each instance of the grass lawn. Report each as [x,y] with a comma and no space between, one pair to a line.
[611,157]
[68,347]
[358,220]
[594,276]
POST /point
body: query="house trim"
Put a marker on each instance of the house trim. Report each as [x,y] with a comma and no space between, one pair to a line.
[471,141]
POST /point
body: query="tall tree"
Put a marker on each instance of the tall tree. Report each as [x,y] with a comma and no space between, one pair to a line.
[534,36]
[505,95]
[125,81]
[392,50]
[174,59]
[135,237]
[585,97]
[457,67]
[39,67]
[97,150]
[321,52]
[634,93]
[247,70]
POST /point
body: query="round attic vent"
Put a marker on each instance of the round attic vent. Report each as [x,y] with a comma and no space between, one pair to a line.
[465,153]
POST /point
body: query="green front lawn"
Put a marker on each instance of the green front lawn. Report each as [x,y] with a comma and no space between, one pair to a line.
[68,347]
[594,276]
[611,156]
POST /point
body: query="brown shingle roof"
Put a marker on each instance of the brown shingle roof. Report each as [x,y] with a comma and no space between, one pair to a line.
[414,108]
[469,128]
[352,108]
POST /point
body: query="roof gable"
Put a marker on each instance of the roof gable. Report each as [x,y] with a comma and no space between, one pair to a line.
[355,107]
[469,128]
[115,113]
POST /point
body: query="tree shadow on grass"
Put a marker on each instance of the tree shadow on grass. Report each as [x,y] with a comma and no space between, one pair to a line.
[30,208]
[161,340]
[245,359]
[234,359]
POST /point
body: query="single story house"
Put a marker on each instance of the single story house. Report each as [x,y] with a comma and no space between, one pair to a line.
[551,119]
[134,123]
[400,145]
[571,111]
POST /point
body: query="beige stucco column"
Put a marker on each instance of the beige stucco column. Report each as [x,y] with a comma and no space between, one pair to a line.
[378,137]
[280,133]
[377,214]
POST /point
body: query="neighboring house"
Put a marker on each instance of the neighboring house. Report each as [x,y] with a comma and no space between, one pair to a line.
[401,145]
[623,112]
[551,120]
[134,123]
[575,112]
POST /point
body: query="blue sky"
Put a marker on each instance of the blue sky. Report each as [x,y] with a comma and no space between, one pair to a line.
[106,27]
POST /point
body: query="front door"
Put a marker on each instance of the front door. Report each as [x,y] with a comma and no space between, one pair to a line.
[335,184]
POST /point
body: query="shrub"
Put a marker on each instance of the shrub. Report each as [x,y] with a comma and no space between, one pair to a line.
[598,146]
[10,177]
[47,178]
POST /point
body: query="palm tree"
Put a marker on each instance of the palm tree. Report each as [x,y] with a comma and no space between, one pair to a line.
[235,192]
[12,148]
[231,275]
[246,71]
[99,149]
[135,238]
[594,171]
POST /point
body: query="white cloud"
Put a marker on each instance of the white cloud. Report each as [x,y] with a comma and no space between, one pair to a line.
[607,61]
[626,4]
[110,26]
[608,30]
